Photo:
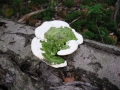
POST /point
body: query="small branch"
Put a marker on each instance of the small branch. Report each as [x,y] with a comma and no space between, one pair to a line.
[100,35]
[117,7]
[27,16]
[99,32]
[74,20]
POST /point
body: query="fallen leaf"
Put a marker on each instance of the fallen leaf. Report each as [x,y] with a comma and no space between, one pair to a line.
[68,79]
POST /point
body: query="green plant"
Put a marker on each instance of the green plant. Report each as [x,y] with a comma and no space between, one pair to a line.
[9,12]
[103,31]
[47,18]
[45,15]
[69,3]
[24,10]
[95,11]
[88,2]
[79,24]
[98,23]
[47,12]
[90,24]
[88,34]
[16,3]
[76,25]
[71,16]
[110,25]
[109,40]
[52,4]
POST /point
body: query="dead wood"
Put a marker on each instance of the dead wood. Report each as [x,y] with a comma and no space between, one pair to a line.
[27,16]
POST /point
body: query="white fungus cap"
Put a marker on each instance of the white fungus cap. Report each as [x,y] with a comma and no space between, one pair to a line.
[39,33]
[35,47]
[78,36]
[73,45]
[59,65]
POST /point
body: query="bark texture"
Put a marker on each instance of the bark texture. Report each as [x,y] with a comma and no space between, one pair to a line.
[94,66]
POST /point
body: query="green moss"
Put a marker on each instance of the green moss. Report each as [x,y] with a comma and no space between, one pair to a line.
[45,15]
[103,31]
[110,25]
[92,26]
[78,25]
[94,12]
[88,34]
[98,22]
[24,10]
[47,18]
[17,3]
[9,12]
[109,40]
[88,2]
[69,3]
[48,12]
[71,16]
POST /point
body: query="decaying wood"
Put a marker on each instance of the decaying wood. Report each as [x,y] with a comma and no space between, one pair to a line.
[27,16]
[74,20]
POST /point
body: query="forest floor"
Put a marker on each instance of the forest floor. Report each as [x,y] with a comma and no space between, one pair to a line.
[81,18]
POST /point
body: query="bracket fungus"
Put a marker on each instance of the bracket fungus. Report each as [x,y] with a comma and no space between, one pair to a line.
[53,40]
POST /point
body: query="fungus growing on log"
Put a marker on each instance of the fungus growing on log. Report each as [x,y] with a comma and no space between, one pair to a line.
[53,40]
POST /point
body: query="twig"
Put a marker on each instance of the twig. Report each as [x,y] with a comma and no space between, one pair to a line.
[74,20]
[117,7]
[100,35]
[27,16]
[99,31]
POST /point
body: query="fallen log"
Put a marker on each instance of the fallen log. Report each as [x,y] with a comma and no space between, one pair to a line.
[94,65]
